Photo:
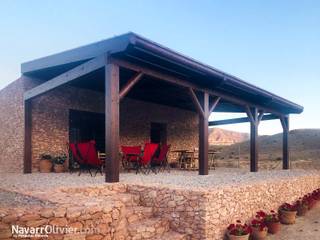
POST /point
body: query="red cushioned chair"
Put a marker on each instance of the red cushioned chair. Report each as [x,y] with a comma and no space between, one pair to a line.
[86,156]
[130,156]
[144,161]
[161,161]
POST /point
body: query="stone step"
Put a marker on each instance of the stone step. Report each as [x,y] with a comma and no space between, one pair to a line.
[138,213]
[148,229]
[171,235]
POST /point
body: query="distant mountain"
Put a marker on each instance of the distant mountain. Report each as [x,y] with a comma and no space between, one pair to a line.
[304,144]
[218,136]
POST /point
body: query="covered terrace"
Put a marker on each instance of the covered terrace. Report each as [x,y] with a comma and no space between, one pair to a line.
[130,66]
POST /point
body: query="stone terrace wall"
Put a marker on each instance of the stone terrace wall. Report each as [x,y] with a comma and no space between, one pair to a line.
[90,209]
[205,214]
[50,121]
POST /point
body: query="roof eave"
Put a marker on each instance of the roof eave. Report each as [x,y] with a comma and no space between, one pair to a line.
[87,52]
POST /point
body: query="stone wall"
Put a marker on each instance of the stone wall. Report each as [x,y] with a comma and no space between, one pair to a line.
[121,209]
[88,217]
[50,121]
[12,124]
[205,213]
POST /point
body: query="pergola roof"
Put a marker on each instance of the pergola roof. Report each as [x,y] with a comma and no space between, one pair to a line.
[136,49]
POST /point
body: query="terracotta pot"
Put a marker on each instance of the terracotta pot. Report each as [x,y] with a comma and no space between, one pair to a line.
[233,237]
[302,210]
[257,234]
[58,168]
[287,217]
[45,166]
[273,227]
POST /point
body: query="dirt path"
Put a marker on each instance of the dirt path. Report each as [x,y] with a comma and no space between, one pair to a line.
[307,227]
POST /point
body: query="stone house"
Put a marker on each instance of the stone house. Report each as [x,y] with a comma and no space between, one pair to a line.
[149,92]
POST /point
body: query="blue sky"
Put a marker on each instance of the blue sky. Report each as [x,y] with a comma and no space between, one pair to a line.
[272,44]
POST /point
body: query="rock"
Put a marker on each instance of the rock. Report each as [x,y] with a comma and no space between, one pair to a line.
[10,219]
[74,212]
[94,237]
[61,222]
[29,217]
[37,223]
[59,212]
[47,213]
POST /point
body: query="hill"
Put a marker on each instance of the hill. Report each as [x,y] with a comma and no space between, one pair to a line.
[304,145]
[218,136]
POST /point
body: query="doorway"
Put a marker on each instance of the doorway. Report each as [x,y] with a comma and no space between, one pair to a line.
[158,133]
[85,126]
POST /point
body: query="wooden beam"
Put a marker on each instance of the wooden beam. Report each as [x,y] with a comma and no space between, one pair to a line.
[204,137]
[253,116]
[196,102]
[66,77]
[181,82]
[261,114]
[27,161]
[112,121]
[241,120]
[285,142]
[250,116]
[130,84]
[214,104]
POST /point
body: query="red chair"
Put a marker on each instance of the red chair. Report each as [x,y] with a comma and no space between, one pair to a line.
[144,162]
[85,155]
[130,156]
[161,161]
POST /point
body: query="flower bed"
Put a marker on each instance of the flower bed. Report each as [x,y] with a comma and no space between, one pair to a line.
[270,222]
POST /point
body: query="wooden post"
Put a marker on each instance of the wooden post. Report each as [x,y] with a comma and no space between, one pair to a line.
[112,121]
[204,111]
[27,162]
[285,142]
[204,136]
[254,124]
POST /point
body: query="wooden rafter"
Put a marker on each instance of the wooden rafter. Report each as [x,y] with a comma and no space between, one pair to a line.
[241,120]
[66,77]
[130,84]
[180,82]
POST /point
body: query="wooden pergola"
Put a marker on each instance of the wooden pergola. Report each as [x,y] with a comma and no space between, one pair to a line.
[130,65]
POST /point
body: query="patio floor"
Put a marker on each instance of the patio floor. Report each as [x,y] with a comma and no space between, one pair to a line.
[221,177]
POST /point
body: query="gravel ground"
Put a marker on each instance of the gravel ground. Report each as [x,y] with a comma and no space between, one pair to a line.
[174,179]
[12,199]
[307,227]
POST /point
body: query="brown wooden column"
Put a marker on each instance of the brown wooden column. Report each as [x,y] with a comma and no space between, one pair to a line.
[27,162]
[285,142]
[204,136]
[112,121]
[204,108]
[255,119]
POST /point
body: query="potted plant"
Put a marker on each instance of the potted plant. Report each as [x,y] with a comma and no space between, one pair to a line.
[301,206]
[45,164]
[311,200]
[259,228]
[271,220]
[238,231]
[58,163]
[287,213]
